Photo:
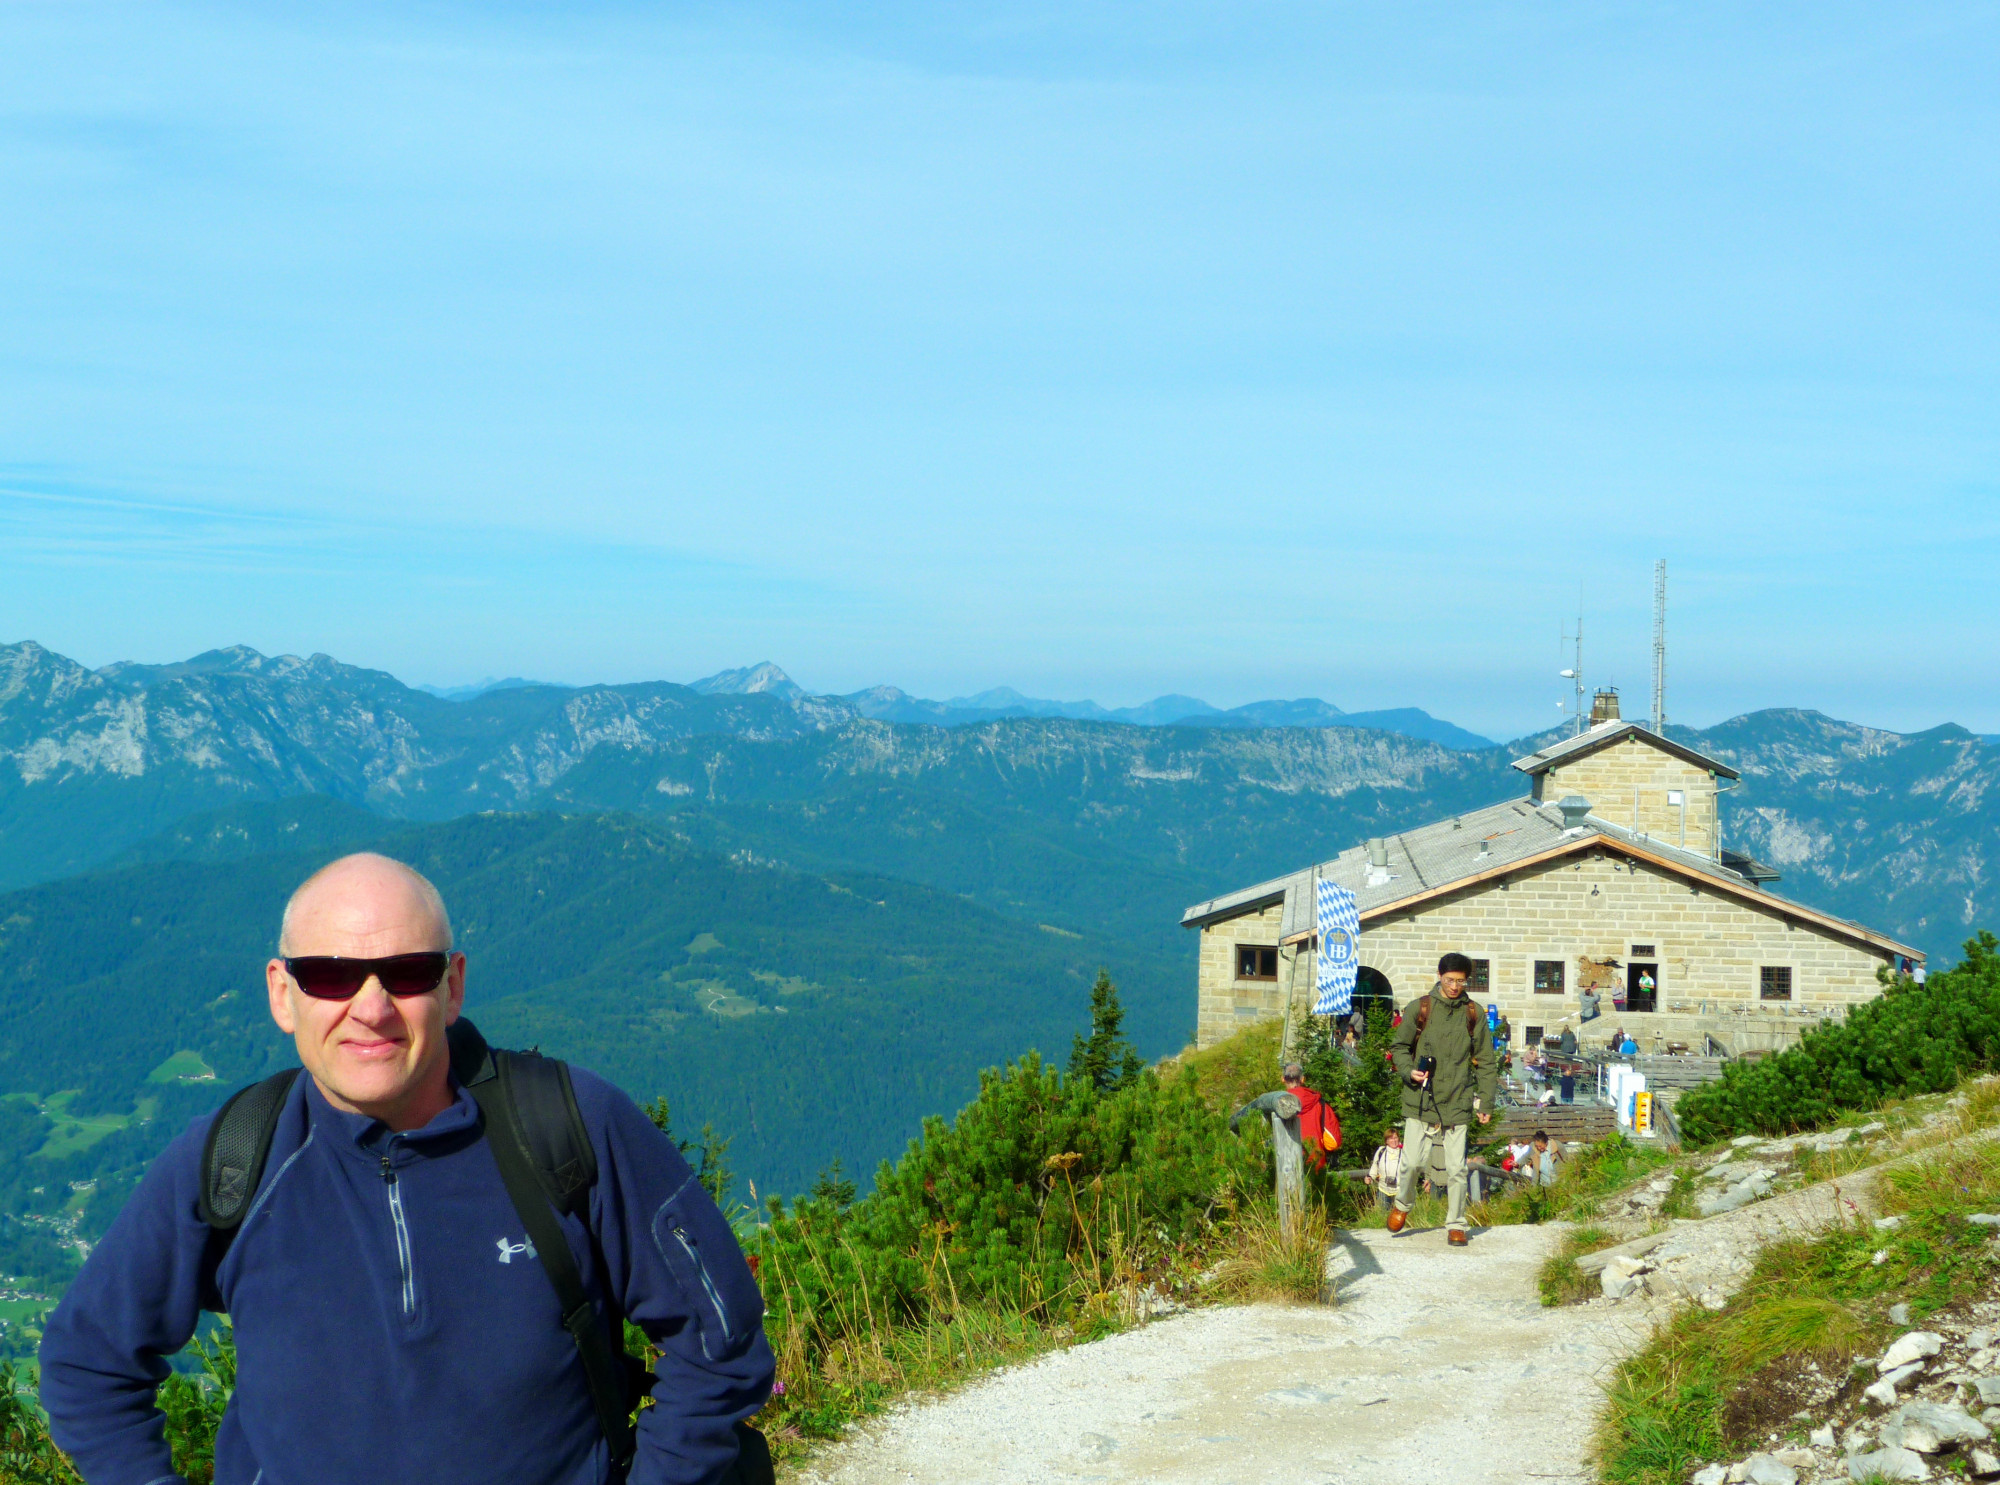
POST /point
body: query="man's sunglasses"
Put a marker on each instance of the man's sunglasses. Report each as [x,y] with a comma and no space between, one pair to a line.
[325,977]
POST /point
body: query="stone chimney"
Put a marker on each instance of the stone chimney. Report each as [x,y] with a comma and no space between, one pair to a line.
[1604,705]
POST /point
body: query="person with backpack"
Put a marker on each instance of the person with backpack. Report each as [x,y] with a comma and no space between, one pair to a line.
[428,1250]
[1319,1124]
[1446,1061]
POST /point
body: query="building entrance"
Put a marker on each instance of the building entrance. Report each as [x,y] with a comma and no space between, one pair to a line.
[1642,986]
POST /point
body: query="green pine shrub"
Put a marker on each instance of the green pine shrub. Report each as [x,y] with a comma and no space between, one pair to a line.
[1914,1039]
[1043,1196]
[1027,1222]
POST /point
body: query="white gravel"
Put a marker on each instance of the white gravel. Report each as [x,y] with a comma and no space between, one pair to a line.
[1437,1366]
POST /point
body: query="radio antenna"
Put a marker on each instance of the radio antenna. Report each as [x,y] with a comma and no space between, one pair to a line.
[1574,674]
[1660,647]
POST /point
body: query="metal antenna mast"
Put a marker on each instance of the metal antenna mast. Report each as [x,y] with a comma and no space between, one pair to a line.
[1575,673]
[1660,647]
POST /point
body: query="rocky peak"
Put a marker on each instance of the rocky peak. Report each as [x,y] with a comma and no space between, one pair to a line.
[750,680]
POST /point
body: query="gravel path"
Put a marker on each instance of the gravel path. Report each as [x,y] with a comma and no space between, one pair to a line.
[1437,1366]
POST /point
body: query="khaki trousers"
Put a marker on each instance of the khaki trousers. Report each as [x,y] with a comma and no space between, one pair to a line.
[1418,1139]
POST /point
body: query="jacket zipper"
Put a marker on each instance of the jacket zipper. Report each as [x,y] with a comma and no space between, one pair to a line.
[715,1300]
[402,1238]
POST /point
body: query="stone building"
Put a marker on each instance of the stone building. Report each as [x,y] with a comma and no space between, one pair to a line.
[1611,874]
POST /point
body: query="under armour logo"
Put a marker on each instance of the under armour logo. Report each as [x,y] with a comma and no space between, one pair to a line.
[508,1250]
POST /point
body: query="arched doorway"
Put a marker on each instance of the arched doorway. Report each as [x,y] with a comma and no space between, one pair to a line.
[1372,989]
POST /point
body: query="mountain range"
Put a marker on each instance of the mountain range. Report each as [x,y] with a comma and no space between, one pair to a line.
[889,704]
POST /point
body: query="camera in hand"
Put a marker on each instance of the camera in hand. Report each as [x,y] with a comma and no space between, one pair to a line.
[1427,1064]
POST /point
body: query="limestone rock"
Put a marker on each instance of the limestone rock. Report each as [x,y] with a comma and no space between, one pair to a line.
[1882,1392]
[1766,1469]
[1989,1390]
[1621,1276]
[1978,1339]
[1984,1464]
[1744,1141]
[1714,1474]
[1750,1189]
[1822,1437]
[1798,1459]
[1908,1348]
[1931,1428]
[1888,1464]
[1898,1314]
[1890,1224]
[1984,1219]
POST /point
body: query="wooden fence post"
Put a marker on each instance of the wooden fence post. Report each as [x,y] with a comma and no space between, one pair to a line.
[1289,1155]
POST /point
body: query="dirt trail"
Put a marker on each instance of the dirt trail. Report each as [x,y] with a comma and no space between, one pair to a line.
[1437,1366]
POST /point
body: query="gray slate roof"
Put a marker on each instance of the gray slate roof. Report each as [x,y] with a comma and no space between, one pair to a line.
[1606,733]
[1435,856]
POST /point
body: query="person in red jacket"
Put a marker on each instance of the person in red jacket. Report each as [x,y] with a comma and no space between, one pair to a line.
[1316,1115]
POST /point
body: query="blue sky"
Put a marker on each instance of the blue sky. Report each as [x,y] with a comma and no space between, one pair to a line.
[1102,351]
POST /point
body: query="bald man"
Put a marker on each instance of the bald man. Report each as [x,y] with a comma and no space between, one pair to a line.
[392,1322]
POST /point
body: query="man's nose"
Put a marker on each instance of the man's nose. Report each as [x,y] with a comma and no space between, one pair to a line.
[373,1003]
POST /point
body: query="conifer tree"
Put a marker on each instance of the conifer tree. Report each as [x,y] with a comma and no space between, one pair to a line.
[1107,1060]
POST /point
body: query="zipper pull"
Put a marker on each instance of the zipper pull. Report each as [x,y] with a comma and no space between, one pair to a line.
[388,1174]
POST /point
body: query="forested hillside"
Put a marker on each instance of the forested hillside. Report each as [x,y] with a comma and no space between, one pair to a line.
[809,1016]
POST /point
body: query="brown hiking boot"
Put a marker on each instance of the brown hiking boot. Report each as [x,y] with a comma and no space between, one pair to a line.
[1456,1238]
[1397,1217]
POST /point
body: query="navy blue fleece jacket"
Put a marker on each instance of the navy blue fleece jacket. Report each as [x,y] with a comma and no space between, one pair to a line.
[391,1322]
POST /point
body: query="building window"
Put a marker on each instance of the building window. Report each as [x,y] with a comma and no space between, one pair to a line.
[1774,982]
[1254,962]
[1534,1036]
[1643,951]
[1480,982]
[1548,977]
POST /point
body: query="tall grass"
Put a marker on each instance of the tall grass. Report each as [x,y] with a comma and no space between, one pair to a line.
[1269,1260]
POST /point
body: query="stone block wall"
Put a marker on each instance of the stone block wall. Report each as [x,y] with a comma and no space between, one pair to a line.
[1611,777]
[1226,1003]
[1710,948]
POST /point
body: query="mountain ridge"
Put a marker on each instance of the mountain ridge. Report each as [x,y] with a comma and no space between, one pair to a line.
[893,704]
[1026,814]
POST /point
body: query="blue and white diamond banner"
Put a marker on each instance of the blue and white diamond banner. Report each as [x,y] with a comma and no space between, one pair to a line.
[1339,924]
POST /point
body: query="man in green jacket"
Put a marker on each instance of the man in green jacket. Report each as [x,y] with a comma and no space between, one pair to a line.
[1447,1027]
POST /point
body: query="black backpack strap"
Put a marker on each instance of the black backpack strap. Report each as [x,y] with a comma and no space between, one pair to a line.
[239,1142]
[516,1095]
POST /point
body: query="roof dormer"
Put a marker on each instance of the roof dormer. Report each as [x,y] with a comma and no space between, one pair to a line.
[1636,778]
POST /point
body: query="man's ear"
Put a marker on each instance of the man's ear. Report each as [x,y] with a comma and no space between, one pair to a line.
[280,985]
[454,990]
